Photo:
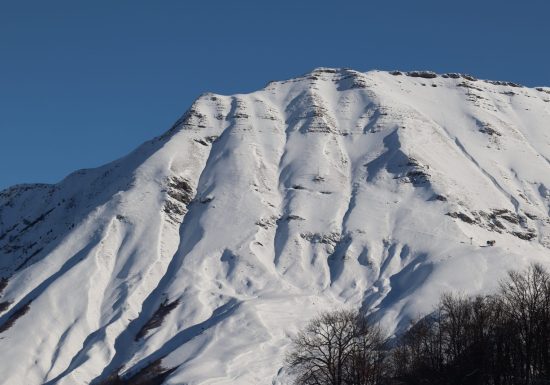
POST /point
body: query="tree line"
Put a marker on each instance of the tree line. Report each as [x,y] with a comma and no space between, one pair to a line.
[497,339]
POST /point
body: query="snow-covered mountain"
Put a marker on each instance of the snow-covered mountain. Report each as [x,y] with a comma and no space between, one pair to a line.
[194,258]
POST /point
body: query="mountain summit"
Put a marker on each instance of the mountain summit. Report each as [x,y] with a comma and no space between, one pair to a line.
[193,259]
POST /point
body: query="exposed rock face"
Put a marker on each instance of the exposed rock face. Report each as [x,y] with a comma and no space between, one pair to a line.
[180,194]
[422,74]
[500,221]
[194,258]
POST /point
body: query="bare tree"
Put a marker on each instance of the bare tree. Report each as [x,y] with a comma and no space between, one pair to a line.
[525,300]
[337,348]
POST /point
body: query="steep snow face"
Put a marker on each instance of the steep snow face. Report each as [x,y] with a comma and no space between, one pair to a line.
[204,250]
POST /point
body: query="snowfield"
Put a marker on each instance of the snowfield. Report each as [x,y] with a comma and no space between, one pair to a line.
[205,249]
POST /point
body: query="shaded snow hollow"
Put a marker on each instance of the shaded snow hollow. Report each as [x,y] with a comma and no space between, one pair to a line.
[206,248]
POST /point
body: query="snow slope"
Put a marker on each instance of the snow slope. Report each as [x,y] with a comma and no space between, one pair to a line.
[201,252]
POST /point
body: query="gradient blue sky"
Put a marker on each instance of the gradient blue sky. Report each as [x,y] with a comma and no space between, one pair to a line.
[85,82]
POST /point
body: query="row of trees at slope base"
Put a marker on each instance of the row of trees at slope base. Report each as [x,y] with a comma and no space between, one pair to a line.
[500,339]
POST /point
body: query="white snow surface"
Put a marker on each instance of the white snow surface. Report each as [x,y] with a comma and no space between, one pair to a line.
[255,212]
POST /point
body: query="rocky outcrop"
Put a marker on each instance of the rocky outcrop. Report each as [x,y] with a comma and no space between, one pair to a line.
[180,194]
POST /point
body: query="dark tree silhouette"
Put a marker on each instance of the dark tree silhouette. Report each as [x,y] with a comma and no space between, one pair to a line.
[501,339]
[337,348]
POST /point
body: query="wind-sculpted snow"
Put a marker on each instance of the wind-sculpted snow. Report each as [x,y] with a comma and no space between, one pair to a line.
[195,258]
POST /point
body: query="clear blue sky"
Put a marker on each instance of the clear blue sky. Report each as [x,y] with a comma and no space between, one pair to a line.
[84,82]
